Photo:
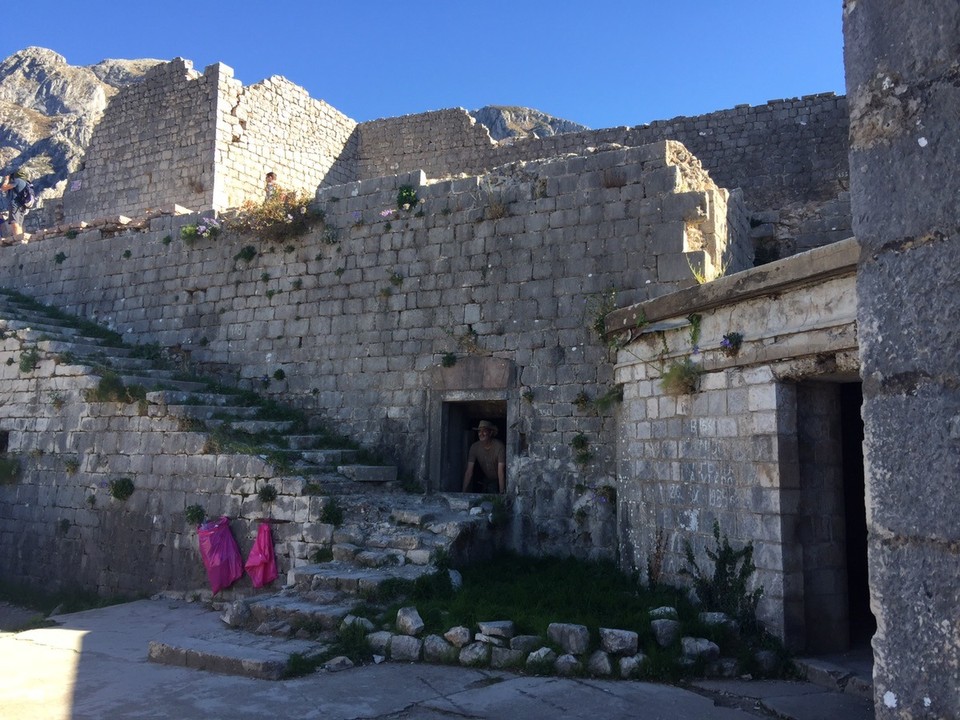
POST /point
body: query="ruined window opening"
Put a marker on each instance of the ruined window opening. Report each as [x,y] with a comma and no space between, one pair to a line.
[458,419]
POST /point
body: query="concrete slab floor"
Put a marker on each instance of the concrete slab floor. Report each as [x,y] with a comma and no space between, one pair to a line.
[93,665]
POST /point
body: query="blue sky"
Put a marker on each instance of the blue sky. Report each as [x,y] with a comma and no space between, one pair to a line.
[602,63]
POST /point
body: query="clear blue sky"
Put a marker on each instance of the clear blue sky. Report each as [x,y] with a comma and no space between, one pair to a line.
[602,63]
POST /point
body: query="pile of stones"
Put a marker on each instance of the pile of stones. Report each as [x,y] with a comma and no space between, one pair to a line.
[566,651]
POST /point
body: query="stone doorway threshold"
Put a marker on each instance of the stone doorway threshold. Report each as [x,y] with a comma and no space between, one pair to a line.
[849,672]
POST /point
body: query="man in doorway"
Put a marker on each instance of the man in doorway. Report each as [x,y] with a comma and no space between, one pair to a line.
[491,455]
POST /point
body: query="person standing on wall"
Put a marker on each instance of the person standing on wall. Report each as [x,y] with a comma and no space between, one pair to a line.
[491,455]
[270,186]
[14,186]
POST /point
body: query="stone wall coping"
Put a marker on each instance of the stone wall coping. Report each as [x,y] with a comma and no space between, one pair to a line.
[808,268]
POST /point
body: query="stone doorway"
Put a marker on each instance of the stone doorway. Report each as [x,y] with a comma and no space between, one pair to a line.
[456,436]
[831,519]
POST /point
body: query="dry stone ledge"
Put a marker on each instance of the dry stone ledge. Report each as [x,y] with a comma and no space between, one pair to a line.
[574,639]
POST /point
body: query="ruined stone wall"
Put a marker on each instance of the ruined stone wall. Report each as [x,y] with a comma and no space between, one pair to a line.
[359,314]
[904,82]
[153,147]
[788,156]
[728,452]
[276,126]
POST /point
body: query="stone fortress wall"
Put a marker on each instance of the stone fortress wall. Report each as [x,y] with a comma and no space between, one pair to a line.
[204,141]
[502,268]
[789,157]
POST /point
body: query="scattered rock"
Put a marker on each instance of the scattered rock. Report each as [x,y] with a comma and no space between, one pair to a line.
[503,658]
[542,658]
[409,621]
[341,662]
[567,665]
[456,579]
[664,612]
[236,613]
[574,639]
[665,632]
[526,643]
[438,650]
[498,628]
[475,655]
[349,620]
[618,642]
[630,666]
[380,641]
[694,648]
[766,661]
[457,636]
[599,664]
[405,647]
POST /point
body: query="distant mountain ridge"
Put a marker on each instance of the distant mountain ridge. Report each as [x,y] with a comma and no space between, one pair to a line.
[49,109]
[506,121]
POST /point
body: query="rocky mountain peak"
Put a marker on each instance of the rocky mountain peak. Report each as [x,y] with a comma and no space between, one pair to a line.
[509,121]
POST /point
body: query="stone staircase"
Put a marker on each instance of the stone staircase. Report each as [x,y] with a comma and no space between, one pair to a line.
[385,533]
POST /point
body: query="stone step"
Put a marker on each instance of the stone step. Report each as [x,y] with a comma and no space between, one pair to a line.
[349,578]
[214,412]
[179,397]
[307,442]
[255,426]
[232,653]
[84,350]
[369,473]
[323,610]
[161,380]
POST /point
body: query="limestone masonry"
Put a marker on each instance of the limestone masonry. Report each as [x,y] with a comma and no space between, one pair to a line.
[665,323]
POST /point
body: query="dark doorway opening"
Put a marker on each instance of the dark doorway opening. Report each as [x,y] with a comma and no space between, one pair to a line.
[832,526]
[862,622]
[457,422]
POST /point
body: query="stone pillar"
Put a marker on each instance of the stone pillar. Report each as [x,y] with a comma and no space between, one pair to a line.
[903,85]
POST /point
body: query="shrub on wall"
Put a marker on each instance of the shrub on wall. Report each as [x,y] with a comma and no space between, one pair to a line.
[682,377]
[280,217]
[121,488]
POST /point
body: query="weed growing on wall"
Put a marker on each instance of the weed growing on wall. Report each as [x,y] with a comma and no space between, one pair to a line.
[9,470]
[195,514]
[59,258]
[599,306]
[332,513]
[730,344]
[207,228]
[29,359]
[725,589]
[267,494]
[281,217]
[121,488]
[406,197]
[682,377]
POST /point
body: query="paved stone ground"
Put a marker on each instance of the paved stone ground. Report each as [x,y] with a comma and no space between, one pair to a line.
[93,665]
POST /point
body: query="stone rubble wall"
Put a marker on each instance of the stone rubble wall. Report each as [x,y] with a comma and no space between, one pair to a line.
[359,314]
[787,155]
[59,525]
[728,452]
